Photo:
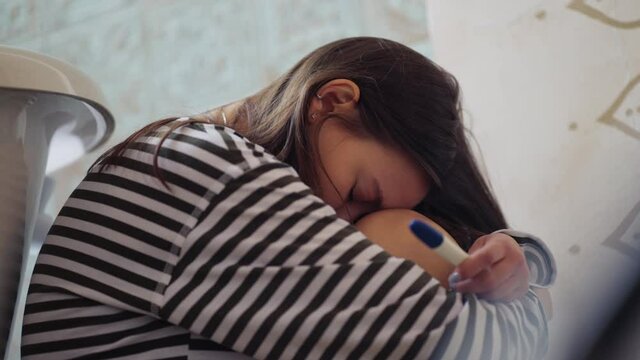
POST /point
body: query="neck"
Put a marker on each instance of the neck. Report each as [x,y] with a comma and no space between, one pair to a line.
[233,112]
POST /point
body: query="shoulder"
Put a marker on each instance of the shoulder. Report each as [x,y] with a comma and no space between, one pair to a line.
[197,157]
[217,144]
[197,144]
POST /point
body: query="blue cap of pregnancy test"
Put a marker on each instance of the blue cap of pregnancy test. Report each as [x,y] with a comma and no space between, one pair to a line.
[427,234]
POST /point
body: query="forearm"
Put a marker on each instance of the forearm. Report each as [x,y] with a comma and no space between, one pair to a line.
[303,283]
[500,323]
[389,229]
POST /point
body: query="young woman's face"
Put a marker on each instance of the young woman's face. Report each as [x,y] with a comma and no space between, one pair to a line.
[367,175]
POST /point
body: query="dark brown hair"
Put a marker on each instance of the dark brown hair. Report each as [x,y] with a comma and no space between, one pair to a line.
[406,100]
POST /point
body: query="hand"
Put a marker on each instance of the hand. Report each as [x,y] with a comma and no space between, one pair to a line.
[495,269]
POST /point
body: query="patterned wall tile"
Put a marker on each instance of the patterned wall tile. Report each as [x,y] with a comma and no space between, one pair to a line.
[396,18]
[618,14]
[624,112]
[61,14]
[17,21]
[626,237]
[211,54]
[294,28]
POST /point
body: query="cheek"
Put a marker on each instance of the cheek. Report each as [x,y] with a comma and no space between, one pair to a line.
[405,184]
[326,191]
[335,183]
[415,189]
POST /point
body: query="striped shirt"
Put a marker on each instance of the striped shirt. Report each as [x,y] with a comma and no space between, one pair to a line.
[239,259]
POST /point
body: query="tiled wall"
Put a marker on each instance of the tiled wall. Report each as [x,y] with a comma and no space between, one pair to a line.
[553,88]
[167,57]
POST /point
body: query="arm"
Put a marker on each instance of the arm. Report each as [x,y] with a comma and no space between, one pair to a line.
[275,274]
[388,229]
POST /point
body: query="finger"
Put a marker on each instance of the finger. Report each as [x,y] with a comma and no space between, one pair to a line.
[513,293]
[491,279]
[480,261]
[462,286]
[484,282]
[479,243]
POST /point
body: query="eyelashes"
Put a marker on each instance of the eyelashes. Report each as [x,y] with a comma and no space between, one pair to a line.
[350,195]
[357,209]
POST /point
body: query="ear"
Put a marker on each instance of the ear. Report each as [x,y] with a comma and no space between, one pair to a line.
[338,95]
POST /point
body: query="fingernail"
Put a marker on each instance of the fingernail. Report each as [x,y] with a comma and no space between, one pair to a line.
[453,280]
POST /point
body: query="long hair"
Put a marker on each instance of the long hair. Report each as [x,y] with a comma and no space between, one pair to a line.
[406,100]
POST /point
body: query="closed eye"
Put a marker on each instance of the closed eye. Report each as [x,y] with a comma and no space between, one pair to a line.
[350,195]
[357,208]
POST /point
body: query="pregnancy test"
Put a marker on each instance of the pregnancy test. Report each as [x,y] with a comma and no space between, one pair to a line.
[442,244]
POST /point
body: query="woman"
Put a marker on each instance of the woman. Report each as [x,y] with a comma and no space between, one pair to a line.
[193,239]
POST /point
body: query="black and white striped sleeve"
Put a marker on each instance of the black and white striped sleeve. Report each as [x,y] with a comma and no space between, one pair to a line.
[269,271]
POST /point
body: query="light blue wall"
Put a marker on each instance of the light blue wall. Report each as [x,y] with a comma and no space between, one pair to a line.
[167,57]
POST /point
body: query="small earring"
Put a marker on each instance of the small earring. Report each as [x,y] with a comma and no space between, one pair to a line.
[314,116]
[318,96]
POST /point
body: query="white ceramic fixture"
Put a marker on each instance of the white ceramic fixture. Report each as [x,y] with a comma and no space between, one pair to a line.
[50,115]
